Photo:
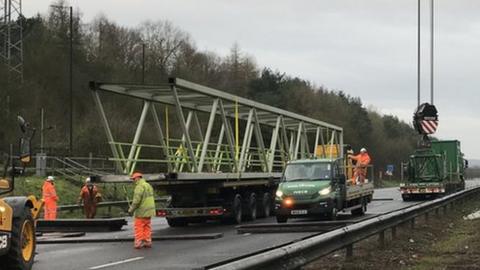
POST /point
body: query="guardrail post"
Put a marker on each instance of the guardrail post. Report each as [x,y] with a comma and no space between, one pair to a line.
[412,223]
[349,251]
[445,209]
[381,239]
[426,217]
[462,201]
[90,156]
[394,232]
[115,192]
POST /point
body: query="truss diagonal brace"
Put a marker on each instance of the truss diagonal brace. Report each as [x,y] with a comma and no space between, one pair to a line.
[273,144]
[146,105]
[297,142]
[245,145]
[161,137]
[183,125]
[261,144]
[208,134]
[106,126]
[229,135]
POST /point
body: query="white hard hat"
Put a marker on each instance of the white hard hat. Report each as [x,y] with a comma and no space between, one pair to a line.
[87,180]
[363,150]
[50,178]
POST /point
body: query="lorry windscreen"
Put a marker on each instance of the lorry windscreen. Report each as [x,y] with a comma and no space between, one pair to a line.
[308,171]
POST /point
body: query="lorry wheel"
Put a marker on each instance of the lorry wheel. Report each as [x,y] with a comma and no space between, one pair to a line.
[360,211]
[177,222]
[23,243]
[333,214]
[406,198]
[252,207]
[282,219]
[237,209]
[235,215]
[266,208]
[364,207]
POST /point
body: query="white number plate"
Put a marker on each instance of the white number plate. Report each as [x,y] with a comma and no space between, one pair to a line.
[299,212]
[3,242]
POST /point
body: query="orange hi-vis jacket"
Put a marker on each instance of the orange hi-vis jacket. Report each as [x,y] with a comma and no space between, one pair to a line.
[363,159]
[50,198]
[89,195]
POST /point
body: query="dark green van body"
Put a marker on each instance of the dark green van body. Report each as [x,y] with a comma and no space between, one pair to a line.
[434,171]
[317,187]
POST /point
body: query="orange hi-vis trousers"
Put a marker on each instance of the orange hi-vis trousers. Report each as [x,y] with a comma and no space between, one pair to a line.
[50,210]
[143,231]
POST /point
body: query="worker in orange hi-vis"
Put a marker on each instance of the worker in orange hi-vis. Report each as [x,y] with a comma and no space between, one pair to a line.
[143,209]
[90,196]
[362,161]
[50,198]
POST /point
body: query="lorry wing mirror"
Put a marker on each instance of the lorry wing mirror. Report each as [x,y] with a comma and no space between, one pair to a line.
[466,164]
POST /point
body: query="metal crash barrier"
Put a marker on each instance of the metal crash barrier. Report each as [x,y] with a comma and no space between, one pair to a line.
[298,254]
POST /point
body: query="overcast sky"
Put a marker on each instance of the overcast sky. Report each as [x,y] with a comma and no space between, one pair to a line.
[366,48]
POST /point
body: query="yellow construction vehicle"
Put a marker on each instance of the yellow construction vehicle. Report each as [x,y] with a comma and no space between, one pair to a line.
[17,213]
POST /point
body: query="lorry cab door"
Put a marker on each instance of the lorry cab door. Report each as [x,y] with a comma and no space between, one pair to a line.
[339,184]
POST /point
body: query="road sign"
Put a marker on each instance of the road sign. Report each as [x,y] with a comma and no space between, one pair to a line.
[389,171]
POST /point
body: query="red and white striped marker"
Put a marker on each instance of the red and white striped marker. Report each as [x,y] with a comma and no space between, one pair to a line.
[429,126]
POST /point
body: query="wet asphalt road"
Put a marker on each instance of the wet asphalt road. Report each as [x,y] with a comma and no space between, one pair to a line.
[183,254]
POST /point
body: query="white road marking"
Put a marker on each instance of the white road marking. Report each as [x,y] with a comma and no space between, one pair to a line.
[116,263]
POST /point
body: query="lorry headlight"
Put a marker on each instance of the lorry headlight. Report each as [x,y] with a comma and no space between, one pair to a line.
[279,193]
[2,209]
[325,191]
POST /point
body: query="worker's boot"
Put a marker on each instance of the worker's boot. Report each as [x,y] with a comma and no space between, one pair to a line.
[138,244]
[147,244]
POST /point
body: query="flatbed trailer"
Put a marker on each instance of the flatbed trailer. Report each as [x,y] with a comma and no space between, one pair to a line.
[221,157]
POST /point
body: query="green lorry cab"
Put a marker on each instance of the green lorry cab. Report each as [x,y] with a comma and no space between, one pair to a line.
[319,188]
[434,171]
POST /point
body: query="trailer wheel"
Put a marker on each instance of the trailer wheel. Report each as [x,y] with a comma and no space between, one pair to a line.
[333,213]
[177,222]
[252,207]
[361,211]
[282,219]
[237,209]
[23,243]
[462,184]
[266,208]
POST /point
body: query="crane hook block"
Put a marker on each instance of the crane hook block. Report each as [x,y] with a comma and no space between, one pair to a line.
[425,119]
